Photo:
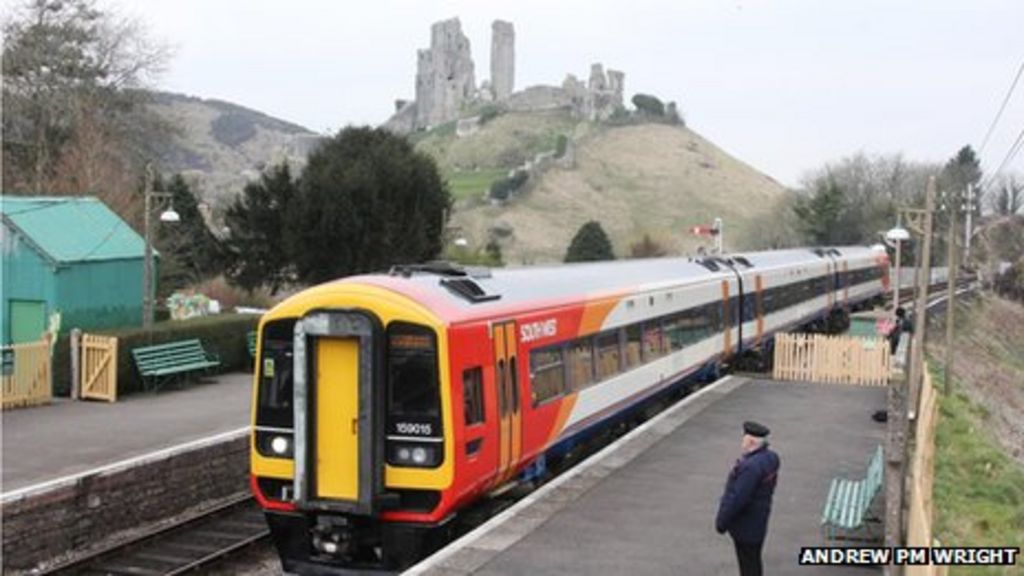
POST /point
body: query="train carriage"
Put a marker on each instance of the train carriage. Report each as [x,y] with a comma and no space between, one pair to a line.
[383,404]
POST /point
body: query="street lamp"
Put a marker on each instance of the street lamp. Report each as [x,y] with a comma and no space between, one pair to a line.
[898,235]
[170,216]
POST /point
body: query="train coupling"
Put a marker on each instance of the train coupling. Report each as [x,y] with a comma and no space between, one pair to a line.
[334,536]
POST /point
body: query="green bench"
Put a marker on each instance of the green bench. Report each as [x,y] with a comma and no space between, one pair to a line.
[848,508]
[171,359]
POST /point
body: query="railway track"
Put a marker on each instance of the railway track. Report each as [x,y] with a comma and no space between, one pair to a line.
[190,545]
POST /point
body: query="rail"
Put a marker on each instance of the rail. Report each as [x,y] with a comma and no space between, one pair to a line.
[187,545]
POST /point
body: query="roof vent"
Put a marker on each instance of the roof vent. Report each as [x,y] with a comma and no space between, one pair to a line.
[743,260]
[468,289]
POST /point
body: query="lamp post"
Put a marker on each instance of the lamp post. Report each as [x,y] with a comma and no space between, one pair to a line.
[898,235]
[169,216]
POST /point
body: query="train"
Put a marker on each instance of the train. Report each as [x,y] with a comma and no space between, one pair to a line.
[385,404]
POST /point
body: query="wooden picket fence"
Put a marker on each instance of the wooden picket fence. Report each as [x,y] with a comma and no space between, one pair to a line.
[26,374]
[922,476]
[832,359]
[99,368]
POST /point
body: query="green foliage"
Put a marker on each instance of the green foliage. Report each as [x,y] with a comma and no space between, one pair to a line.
[366,201]
[256,224]
[473,183]
[501,189]
[189,252]
[961,171]
[649,105]
[590,244]
[978,490]
[1010,284]
[233,128]
[490,256]
[489,112]
[821,215]
[561,145]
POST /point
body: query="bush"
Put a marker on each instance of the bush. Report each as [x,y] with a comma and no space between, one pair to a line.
[501,189]
[223,334]
[649,105]
[561,145]
[490,112]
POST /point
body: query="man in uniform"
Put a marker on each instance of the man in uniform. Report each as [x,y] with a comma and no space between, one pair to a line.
[747,501]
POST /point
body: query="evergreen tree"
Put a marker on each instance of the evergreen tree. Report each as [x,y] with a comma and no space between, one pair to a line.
[189,252]
[821,215]
[256,229]
[367,200]
[590,244]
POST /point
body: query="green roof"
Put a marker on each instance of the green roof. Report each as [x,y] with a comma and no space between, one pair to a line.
[72,229]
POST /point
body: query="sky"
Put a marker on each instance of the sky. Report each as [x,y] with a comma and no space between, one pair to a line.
[784,85]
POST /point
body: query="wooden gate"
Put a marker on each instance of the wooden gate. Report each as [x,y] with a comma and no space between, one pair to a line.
[832,359]
[26,374]
[99,368]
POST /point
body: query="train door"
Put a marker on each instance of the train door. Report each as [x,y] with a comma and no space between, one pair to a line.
[727,319]
[845,283]
[830,283]
[506,370]
[759,308]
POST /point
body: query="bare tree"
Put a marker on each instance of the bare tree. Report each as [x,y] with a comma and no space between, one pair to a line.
[1007,198]
[69,66]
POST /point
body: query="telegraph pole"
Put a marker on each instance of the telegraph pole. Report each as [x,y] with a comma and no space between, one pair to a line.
[921,304]
[967,224]
[951,290]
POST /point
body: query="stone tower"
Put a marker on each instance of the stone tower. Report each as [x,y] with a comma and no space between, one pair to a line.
[503,59]
[444,75]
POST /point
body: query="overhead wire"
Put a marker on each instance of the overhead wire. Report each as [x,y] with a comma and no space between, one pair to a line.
[1002,108]
[1014,150]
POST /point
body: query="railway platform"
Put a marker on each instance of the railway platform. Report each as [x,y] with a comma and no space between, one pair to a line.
[646,504]
[46,444]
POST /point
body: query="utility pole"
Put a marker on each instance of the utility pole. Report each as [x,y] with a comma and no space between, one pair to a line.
[147,264]
[951,291]
[967,224]
[921,305]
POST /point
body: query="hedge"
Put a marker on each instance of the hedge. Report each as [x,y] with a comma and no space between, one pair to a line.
[223,334]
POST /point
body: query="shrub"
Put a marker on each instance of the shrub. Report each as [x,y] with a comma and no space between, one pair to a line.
[649,105]
[223,334]
[561,145]
[490,112]
[501,189]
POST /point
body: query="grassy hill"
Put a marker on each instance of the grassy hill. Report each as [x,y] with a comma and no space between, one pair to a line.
[220,145]
[652,178]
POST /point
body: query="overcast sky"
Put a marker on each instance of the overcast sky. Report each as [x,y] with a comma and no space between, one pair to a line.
[783,85]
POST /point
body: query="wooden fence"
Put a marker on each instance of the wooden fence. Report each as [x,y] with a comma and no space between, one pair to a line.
[99,368]
[922,475]
[26,374]
[832,359]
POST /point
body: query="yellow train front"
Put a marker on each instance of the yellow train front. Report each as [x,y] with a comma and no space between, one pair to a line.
[336,365]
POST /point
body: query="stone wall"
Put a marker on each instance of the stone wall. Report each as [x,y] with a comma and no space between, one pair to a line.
[91,509]
[444,75]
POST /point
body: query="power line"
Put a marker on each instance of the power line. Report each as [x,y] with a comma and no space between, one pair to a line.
[1006,100]
[1014,149]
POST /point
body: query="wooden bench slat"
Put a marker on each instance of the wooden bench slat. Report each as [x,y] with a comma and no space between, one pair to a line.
[848,501]
[170,358]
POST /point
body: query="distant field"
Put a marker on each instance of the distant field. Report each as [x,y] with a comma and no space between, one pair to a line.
[472,183]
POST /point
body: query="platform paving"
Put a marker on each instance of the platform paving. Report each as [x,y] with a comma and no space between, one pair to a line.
[648,505]
[68,437]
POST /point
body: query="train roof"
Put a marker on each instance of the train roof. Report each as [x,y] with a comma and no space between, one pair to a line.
[457,293]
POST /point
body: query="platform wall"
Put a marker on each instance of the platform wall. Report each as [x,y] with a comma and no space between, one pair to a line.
[97,508]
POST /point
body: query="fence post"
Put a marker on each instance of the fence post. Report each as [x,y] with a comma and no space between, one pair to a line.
[76,374]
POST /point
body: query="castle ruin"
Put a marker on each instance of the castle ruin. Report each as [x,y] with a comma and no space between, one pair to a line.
[445,83]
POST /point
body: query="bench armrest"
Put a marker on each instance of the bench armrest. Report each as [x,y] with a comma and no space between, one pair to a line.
[213,357]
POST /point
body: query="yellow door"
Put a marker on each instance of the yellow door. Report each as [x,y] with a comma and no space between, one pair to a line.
[515,415]
[337,418]
[501,387]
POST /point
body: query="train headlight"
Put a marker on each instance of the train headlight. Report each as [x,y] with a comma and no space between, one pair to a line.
[415,455]
[279,445]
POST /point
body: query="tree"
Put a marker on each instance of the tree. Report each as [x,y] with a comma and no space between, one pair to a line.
[961,171]
[67,68]
[1008,198]
[821,214]
[190,253]
[367,200]
[647,248]
[649,105]
[256,229]
[590,244]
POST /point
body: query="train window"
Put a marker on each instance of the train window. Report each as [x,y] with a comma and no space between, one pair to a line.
[634,343]
[412,372]
[513,383]
[675,332]
[581,363]
[608,355]
[275,382]
[654,345]
[502,390]
[473,395]
[547,374]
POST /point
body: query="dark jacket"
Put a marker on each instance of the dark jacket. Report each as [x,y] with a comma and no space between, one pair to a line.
[747,500]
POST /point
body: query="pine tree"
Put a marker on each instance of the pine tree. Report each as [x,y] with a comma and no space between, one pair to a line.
[256,231]
[590,244]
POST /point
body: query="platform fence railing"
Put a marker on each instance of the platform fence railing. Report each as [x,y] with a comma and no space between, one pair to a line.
[26,370]
[832,359]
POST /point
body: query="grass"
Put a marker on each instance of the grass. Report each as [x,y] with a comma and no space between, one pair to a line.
[979,491]
[473,183]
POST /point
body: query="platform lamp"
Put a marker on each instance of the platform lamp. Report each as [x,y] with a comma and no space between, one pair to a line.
[169,216]
[898,235]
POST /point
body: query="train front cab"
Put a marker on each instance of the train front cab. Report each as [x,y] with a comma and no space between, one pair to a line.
[350,455]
